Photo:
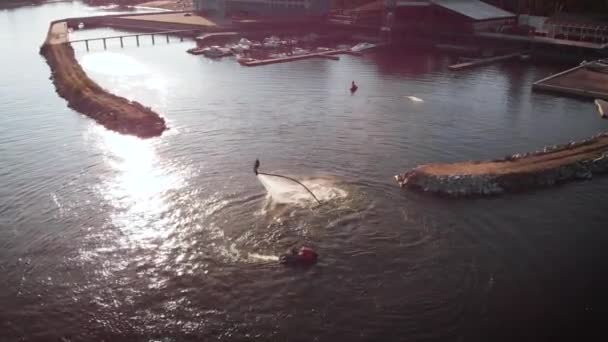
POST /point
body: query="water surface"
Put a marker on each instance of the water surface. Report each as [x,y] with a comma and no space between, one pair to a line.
[104,236]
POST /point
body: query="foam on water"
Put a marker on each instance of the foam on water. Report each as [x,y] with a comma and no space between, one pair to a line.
[282,190]
[257,257]
[415,99]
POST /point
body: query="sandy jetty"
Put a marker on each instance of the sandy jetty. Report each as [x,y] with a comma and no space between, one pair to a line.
[87,97]
[519,172]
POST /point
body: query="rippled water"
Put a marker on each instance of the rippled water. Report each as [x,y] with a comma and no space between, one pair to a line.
[110,237]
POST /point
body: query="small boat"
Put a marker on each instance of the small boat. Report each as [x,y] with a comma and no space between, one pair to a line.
[299,51]
[239,48]
[196,50]
[353,87]
[244,41]
[272,44]
[362,47]
[244,60]
[216,52]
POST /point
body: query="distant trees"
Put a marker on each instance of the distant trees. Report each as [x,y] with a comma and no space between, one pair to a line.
[549,7]
[31,1]
[347,4]
[113,2]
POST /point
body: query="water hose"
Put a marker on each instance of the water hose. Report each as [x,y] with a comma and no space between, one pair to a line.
[256,166]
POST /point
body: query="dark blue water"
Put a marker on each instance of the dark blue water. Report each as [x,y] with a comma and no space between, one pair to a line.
[108,237]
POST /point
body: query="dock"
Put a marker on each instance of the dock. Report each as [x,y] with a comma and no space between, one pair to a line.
[582,81]
[541,40]
[485,61]
[209,38]
[165,24]
[326,54]
[121,38]
[460,49]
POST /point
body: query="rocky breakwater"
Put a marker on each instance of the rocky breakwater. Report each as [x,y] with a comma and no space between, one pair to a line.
[519,172]
[87,97]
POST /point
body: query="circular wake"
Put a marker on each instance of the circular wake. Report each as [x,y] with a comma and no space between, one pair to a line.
[286,191]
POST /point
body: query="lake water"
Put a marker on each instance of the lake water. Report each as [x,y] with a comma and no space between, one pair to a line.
[109,237]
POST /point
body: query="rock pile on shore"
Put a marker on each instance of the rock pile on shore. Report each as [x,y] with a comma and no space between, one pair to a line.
[563,163]
[113,112]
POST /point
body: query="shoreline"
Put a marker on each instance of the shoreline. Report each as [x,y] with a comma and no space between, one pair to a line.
[18,4]
[170,5]
[87,97]
[551,166]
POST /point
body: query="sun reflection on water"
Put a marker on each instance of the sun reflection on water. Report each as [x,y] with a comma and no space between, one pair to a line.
[138,188]
[111,63]
[128,76]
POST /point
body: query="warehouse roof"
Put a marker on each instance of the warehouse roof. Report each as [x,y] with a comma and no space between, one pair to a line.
[474,9]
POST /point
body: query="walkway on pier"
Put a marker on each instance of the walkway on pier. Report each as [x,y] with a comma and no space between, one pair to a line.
[541,40]
[578,81]
[136,35]
[175,22]
[58,33]
[325,54]
[485,61]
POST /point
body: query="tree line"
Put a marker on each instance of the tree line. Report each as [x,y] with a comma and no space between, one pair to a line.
[113,2]
[550,7]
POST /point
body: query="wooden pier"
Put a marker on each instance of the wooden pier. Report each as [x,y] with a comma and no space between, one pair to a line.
[137,36]
[485,61]
[325,54]
[579,81]
[542,40]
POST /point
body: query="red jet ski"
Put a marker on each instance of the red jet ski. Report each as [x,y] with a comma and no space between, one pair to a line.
[304,257]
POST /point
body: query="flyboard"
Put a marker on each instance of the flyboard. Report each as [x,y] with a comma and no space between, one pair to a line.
[256,166]
[305,256]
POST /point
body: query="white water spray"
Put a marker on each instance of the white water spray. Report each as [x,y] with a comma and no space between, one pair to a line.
[262,257]
[285,191]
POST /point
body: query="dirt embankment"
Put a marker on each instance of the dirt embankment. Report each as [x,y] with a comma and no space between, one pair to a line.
[552,165]
[175,5]
[85,96]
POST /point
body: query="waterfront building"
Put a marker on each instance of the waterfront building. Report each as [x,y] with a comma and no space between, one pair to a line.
[577,27]
[265,8]
[457,16]
[428,17]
